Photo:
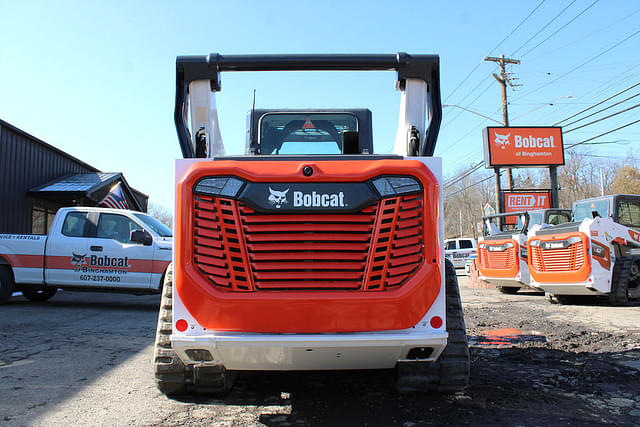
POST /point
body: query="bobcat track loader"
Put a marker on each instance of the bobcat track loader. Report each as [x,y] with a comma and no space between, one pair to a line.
[502,254]
[309,252]
[597,254]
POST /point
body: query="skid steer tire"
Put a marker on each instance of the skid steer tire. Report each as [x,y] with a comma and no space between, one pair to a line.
[509,290]
[172,376]
[6,284]
[39,295]
[450,373]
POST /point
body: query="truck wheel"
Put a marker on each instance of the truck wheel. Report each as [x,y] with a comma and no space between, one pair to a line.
[507,290]
[6,284]
[173,377]
[450,373]
[34,294]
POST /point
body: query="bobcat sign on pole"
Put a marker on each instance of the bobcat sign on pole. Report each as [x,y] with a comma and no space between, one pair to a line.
[523,147]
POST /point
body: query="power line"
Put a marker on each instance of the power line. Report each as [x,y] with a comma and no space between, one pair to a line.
[472,185]
[603,109]
[561,28]
[596,104]
[492,50]
[603,118]
[543,28]
[602,134]
[585,63]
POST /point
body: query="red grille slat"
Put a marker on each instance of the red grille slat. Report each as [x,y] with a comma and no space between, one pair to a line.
[310,274]
[304,228]
[307,237]
[306,255]
[312,284]
[307,265]
[332,218]
[205,232]
[214,261]
[240,249]
[324,246]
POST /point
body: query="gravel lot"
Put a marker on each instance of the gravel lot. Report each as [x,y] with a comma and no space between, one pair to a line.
[85,359]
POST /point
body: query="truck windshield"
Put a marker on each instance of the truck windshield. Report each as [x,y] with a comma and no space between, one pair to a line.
[584,210]
[304,133]
[158,227]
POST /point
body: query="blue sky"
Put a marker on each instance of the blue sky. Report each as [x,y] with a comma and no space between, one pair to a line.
[97,79]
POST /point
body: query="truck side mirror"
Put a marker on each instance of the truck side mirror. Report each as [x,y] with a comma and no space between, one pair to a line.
[141,236]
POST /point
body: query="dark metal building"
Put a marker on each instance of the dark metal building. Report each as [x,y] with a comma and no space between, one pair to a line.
[36,179]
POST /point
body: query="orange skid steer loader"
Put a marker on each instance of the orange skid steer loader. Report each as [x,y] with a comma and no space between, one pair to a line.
[309,252]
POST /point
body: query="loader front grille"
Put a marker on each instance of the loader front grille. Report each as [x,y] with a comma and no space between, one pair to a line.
[500,260]
[239,249]
[567,259]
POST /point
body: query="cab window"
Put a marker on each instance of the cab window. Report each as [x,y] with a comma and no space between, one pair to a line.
[586,210]
[629,213]
[74,224]
[305,133]
[116,227]
[535,218]
[558,218]
[450,245]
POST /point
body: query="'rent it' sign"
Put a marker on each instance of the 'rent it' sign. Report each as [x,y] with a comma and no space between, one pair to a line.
[523,146]
[514,201]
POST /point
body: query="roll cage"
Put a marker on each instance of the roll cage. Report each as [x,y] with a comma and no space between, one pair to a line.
[198,78]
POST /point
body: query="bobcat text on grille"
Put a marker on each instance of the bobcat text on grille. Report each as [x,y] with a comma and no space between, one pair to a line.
[318,200]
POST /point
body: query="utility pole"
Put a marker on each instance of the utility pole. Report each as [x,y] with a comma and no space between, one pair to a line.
[504,79]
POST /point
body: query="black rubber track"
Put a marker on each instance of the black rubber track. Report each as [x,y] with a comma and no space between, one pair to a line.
[620,282]
[450,373]
[172,376]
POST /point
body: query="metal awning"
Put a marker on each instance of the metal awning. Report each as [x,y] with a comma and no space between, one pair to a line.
[87,187]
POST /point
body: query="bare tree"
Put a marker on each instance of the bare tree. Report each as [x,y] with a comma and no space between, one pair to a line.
[581,177]
[162,214]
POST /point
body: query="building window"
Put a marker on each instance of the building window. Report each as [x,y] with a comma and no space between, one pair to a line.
[41,219]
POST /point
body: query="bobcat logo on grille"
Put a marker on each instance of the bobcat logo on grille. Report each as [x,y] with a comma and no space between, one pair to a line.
[278,198]
[78,260]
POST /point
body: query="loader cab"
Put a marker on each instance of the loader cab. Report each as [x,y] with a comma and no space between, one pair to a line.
[309,132]
[623,208]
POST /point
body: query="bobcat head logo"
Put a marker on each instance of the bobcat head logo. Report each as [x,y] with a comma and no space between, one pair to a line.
[502,140]
[278,198]
[78,260]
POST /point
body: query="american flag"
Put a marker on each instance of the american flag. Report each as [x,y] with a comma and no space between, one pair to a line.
[115,199]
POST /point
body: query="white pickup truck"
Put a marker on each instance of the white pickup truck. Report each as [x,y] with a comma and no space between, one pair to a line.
[87,249]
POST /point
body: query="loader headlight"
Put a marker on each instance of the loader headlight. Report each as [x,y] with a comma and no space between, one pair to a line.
[219,186]
[574,239]
[396,185]
[535,243]
[508,245]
